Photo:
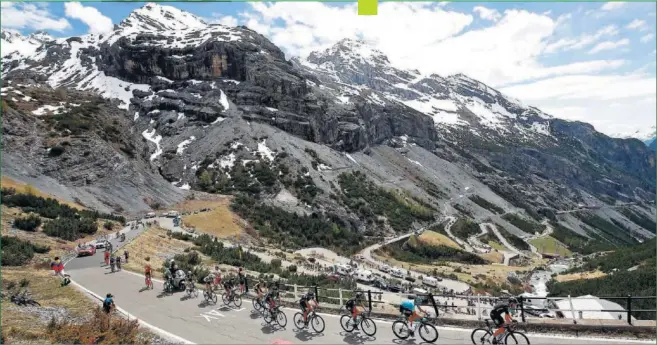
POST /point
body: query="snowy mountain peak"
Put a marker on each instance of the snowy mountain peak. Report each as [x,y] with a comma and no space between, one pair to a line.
[155,17]
[15,42]
[350,51]
[41,36]
[10,35]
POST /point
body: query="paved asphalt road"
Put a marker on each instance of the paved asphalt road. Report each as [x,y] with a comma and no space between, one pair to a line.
[197,322]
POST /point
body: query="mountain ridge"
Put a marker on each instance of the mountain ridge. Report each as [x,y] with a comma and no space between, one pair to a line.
[220,109]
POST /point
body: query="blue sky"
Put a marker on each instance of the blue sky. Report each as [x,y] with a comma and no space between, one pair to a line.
[575,60]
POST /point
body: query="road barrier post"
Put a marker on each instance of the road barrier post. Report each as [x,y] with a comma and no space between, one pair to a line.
[629,309]
[433,302]
[369,299]
[479,307]
[572,309]
[295,291]
[522,310]
[340,296]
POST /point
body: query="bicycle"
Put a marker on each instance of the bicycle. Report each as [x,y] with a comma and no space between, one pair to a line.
[209,295]
[258,304]
[486,335]
[346,321]
[23,299]
[316,321]
[234,297]
[192,291]
[149,282]
[425,327]
[275,313]
[168,286]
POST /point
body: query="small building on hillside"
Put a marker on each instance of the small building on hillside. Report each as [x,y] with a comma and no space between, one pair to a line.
[590,308]
[550,256]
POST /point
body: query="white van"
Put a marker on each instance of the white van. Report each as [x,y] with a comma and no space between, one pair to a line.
[384,268]
[364,276]
[150,215]
[430,281]
[173,214]
[396,272]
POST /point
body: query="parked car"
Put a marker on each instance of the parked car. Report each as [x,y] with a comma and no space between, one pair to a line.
[394,288]
[334,277]
[380,284]
[100,244]
[410,279]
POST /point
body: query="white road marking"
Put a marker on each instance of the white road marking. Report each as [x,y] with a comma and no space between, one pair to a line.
[208,315]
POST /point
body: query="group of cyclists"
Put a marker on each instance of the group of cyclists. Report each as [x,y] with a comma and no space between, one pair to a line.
[269,295]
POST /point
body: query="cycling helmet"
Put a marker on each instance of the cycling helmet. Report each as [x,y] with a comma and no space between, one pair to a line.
[513,300]
[189,273]
[359,295]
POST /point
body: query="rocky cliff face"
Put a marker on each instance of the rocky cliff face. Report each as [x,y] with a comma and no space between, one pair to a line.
[199,106]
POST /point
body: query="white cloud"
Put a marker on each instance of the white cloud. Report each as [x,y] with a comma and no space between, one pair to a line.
[636,24]
[96,21]
[218,18]
[610,6]
[582,41]
[394,29]
[609,45]
[487,13]
[589,98]
[31,16]
[647,38]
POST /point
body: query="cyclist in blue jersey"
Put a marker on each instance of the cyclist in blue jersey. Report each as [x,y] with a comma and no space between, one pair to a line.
[408,308]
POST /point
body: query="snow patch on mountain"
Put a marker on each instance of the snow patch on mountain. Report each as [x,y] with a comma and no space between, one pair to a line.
[19,46]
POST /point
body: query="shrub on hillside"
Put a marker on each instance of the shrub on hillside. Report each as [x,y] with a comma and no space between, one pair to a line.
[292,268]
[276,263]
[101,328]
[486,204]
[17,252]
[29,223]
[293,230]
[369,201]
[108,225]
[70,229]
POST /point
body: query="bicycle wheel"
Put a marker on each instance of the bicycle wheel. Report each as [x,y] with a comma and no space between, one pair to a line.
[281,318]
[516,338]
[298,321]
[428,332]
[347,323]
[317,323]
[210,297]
[256,304]
[368,326]
[237,301]
[32,303]
[195,292]
[267,316]
[401,330]
[481,336]
[224,298]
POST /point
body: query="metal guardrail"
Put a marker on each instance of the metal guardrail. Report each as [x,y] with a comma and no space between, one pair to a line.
[340,296]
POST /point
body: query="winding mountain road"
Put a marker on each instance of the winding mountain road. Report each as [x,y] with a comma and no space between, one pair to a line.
[193,321]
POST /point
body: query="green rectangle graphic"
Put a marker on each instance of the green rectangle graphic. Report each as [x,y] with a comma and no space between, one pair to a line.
[367,7]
